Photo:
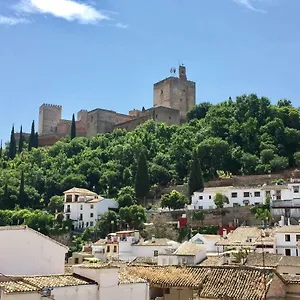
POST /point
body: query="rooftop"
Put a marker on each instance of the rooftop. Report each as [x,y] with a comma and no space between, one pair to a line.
[211,261]
[80,191]
[289,229]
[125,277]
[18,284]
[218,282]
[245,236]
[189,249]
[25,227]
[272,260]
[156,242]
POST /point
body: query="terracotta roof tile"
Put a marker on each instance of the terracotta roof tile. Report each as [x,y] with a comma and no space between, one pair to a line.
[289,229]
[156,242]
[18,284]
[80,191]
[189,249]
[243,283]
[211,261]
[126,278]
[244,236]
[258,259]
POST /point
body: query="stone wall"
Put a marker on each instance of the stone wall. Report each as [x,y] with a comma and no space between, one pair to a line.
[49,117]
[64,128]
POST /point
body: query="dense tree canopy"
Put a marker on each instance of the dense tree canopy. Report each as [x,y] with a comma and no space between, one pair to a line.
[246,136]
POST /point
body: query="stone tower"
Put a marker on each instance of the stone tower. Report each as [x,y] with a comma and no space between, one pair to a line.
[176,92]
[49,117]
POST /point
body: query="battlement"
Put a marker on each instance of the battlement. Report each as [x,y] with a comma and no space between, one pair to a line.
[83,110]
[51,105]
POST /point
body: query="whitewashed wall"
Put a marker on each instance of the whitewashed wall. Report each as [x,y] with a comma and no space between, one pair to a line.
[26,252]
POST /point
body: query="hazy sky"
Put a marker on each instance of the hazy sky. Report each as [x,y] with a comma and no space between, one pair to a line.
[108,53]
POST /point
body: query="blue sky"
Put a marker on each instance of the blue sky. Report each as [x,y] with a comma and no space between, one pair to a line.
[108,53]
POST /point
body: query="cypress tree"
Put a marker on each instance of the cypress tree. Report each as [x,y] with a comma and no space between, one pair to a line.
[195,182]
[73,128]
[142,182]
[12,144]
[21,141]
[31,142]
[1,150]
[21,196]
[36,140]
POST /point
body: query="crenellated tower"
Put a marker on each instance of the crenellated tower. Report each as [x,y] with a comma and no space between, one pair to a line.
[49,117]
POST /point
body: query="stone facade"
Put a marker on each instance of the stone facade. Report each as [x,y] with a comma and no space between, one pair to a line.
[173,98]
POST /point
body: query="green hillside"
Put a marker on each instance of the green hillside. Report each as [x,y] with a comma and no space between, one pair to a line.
[245,136]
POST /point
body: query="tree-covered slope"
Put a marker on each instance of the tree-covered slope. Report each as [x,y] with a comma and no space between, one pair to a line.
[246,136]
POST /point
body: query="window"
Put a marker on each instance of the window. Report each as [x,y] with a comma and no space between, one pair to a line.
[169,118]
[287,238]
[296,189]
[81,207]
[80,217]
[92,206]
[246,194]
[68,208]
[68,217]
[87,224]
[278,195]
[256,194]
[256,203]
[200,197]
[91,223]
[161,92]
[155,253]
[76,262]
[200,207]
[288,252]
[108,249]
[115,249]
[234,195]
[297,237]
[209,197]
[91,215]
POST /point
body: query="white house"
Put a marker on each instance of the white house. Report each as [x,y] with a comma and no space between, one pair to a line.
[90,281]
[287,239]
[85,207]
[24,251]
[187,254]
[208,240]
[243,196]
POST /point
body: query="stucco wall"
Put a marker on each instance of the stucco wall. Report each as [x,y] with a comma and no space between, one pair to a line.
[24,252]
[88,292]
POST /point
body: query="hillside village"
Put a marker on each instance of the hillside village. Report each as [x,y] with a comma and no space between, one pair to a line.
[162,203]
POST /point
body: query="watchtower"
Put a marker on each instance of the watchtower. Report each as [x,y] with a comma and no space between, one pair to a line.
[49,117]
[175,92]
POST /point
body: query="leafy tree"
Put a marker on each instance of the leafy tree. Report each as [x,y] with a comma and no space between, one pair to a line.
[174,200]
[21,141]
[56,204]
[195,182]
[199,111]
[297,158]
[160,228]
[279,163]
[106,224]
[198,216]
[142,185]
[73,128]
[134,216]
[266,155]
[126,196]
[220,199]
[12,144]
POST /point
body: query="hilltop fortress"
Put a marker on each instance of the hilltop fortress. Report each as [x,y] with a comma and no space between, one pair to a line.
[173,97]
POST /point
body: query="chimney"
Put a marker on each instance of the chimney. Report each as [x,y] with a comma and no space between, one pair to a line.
[153,239]
[288,221]
[224,232]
